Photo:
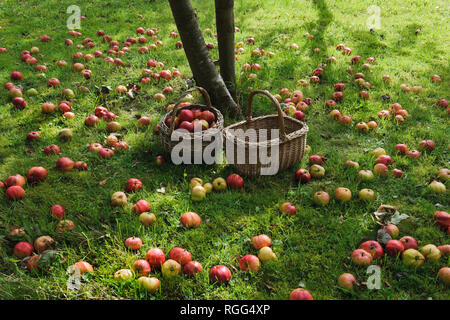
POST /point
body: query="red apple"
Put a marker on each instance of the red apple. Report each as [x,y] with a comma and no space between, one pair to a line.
[346,281]
[249,263]
[192,267]
[361,257]
[303,176]
[141,206]
[342,194]
[235,181]
[220,273]
[260,241]
[65,164]
[394,247]
[36,174]
[133,243]
[58,211]
[408,242]
[392,230]
[190,219]
[300,294]
[180,255]
[15,193]
[133,185]
[141,267]
[15,180]
[105,153]
[155,257]
[372,247]
[288,209]
[23,249]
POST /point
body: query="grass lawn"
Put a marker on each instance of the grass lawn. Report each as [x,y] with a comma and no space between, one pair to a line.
[314,246]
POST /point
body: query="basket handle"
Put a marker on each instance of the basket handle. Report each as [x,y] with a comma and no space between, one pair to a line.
[177,107]
[277,105]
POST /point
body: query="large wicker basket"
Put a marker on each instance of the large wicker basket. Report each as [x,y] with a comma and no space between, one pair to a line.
[206,136]
[291,142]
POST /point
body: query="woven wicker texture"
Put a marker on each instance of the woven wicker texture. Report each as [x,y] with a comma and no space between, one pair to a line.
[206,136]
[291,142]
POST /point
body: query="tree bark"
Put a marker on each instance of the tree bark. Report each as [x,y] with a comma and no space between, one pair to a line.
[225,36]
[203,69]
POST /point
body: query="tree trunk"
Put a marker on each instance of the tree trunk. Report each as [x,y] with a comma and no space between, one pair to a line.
[203,69]
[225,36]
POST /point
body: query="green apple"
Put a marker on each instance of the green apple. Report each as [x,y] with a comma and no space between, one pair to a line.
[366,194]
[316,171]
[219,184]
[147,218]
[266,254]
[123,275]
[208,187]
[198,193]
[437,187]
[412,258]
[151,284]
[170,268]
[32,92]
[378,152]
[195,182]
[365,175]
[431,252]
[119,199]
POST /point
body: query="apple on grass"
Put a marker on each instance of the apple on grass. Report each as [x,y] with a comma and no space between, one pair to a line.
[249,263]
[366,194]
[147,218]
[141,267]
[316,171]
[190,219]
[219,184]
[151,284]
[431,252]
[23,249]
[192,267]
[409,242]
[133,243]
[141,206]
[119,199]
[198,193]
[15,193]
[288,209]
[300,294]
[444,275]
[394,248]
[180,255]
[412,258]
[437,187]
[57,210]
[392,230]
[373,247]
[342,194]
[260,241]
[44,243]
[235,181]
[444,249]
[123,275]
[195,182]
[346,281]
[361,257]
[133,185]
[266,254]
[155,257]
[170,268]
[220,274]
[303,176]
[321,198]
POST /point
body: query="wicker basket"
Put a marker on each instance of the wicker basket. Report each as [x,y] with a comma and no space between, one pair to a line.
[206,136]
[291,142]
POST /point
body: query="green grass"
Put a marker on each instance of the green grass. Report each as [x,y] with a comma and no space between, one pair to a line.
[315,245]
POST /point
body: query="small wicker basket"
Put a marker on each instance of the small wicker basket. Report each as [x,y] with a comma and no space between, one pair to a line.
[291,142]
[205,136]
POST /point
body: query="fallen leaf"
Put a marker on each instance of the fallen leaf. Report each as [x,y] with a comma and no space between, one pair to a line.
[103,182]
